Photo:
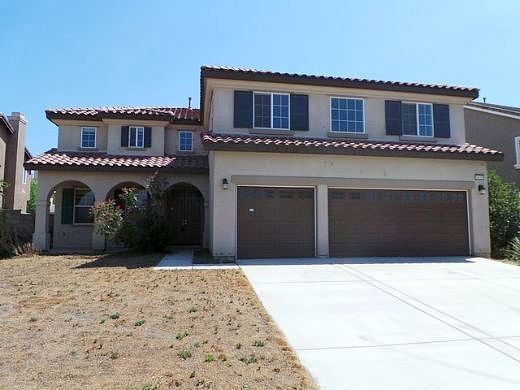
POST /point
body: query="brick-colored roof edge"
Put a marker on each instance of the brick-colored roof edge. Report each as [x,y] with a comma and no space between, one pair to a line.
[178,115]
[279,144]
[54,159]
[225,72]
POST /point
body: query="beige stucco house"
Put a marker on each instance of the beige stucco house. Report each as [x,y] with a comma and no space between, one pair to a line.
[281,165]
[13,155]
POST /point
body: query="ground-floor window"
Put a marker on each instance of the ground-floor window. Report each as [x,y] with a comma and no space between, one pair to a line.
[83,201]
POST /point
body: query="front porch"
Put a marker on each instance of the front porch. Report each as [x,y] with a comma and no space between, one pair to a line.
[63,221]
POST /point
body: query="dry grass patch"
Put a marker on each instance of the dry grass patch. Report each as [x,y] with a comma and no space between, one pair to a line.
[113,322]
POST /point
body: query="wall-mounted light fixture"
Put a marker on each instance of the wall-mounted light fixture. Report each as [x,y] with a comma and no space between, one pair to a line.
[479,176]
[481,189]
[225,184]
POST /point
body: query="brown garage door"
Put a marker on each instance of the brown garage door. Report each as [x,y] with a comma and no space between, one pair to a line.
[275,222]
[397,223]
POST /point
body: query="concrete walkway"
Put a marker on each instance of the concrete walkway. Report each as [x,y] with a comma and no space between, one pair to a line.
[445,323]
[183,259]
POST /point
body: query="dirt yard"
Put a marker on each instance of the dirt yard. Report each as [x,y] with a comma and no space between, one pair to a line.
[113,322]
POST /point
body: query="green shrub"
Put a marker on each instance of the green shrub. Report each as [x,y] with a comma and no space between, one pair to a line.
[513,251]
[504,213]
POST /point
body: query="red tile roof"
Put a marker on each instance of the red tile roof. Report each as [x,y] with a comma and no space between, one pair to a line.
[54,159]
[282,144]
[171,114]
[270,76]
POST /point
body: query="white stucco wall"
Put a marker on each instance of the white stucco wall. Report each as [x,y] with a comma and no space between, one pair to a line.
[222,99]
[322,171]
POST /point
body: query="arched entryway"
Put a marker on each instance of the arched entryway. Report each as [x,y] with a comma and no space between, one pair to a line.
[116,193]
[185,213]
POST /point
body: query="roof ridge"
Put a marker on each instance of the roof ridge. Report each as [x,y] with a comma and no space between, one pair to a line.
[337,78]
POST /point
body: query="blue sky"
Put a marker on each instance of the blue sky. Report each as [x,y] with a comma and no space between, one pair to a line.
[107,52]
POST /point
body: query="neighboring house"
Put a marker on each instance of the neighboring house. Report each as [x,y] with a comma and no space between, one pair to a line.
[496,126]
[281,165]
[13,155]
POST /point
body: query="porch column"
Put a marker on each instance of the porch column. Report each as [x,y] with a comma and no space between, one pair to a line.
[322,220]
[40,235]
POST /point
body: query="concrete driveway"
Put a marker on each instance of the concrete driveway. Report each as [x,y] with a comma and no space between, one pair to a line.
[445,323]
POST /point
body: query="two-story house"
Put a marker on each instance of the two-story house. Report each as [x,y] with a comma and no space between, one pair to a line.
[496,126]
[13,155]
[282,165]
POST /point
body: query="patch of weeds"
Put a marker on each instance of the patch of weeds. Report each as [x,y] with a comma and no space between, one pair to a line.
[168,317]
[150,386]
[192,375]
[33,319]
[102,321]
[139,322]
[193,309]
[114,355]
[249,359]
[115,316]
[209,358]
[196,345]
[238,346]
[184,354]
[258,343]
[181,335]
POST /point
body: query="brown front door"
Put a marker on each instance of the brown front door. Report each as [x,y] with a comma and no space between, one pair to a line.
[185,215]
[397,223]
[275,222]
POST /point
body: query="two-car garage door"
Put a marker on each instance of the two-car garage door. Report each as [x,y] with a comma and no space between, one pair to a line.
[280,222]
[397,223]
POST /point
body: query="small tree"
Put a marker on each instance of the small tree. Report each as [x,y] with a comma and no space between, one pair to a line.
[108,220]
[504,213]
[31,204]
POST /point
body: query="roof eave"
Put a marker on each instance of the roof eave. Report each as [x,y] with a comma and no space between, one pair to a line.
[334,82]
[216,146]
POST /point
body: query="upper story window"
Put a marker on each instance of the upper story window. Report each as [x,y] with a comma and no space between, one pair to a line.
[271,110]
[136,137]
[417,119]
[185,141]
[517,151]
[88,137]
[347,115]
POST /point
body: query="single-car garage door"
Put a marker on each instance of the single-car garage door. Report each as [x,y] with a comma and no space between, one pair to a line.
[275,222]
[397,223]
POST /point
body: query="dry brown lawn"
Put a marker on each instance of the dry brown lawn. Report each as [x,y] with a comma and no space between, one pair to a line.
[113,322]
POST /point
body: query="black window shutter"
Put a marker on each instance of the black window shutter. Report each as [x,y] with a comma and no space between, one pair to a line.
[243,114]
[393,117]
[147,137]
[67,206]
[441,120]
[124,136]
[299,112]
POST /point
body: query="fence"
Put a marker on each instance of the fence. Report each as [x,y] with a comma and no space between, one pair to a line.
[15,232]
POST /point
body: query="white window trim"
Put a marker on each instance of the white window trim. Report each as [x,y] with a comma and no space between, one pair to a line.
[330,115]
[271,97]
[95,137]
[137,128]
[179,141]
[517,150]
[417,120]
[74,207]
[25,174]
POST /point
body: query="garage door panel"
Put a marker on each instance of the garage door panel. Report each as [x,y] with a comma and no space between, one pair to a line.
[275,222]
[397,223]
